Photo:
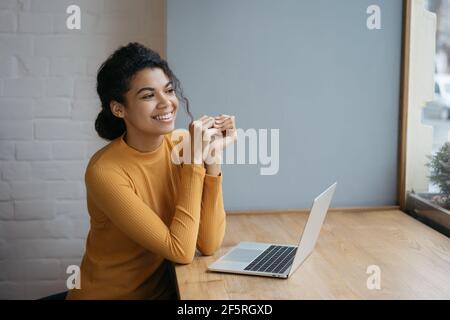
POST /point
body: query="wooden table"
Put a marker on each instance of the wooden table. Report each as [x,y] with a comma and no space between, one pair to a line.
[414,259]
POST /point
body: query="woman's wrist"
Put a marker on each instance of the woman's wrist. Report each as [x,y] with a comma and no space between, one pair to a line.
[213,169]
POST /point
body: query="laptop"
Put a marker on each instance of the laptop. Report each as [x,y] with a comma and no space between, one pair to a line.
[274,260]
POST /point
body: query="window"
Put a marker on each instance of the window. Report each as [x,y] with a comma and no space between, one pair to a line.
[425,190]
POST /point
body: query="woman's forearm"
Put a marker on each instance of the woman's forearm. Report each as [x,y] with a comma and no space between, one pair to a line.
[212,216]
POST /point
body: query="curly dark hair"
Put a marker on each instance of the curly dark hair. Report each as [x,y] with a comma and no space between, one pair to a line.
[113,81]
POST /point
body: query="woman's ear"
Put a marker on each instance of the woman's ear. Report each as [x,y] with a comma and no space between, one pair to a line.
[117,109]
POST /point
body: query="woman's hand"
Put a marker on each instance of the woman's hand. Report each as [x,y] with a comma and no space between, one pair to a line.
[227,126]
[200,135]
[209,137]
[223,133]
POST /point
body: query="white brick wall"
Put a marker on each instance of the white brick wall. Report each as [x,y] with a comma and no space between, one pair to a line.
[48,105]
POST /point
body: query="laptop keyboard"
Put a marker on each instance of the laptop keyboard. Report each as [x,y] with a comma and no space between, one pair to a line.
[275,259]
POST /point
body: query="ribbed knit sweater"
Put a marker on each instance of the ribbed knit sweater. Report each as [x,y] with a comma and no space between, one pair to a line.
[145,212]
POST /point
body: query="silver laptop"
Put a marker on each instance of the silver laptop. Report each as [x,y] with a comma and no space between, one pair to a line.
[274,260]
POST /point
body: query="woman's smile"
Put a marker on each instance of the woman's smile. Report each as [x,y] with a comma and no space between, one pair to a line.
[167,117]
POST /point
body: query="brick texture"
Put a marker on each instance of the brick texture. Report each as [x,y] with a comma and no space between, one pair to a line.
[49,103]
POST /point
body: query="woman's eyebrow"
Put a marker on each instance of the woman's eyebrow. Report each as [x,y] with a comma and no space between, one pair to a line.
[153,89]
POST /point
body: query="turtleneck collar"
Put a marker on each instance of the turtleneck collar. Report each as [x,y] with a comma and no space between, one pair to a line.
[129,151]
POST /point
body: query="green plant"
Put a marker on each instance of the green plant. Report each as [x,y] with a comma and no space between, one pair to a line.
[440,171]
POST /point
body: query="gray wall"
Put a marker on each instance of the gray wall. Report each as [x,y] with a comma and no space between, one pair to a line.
[309,68]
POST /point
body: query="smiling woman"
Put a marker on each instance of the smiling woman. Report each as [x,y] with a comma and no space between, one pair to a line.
[145,211]
[133,63]
[149,112]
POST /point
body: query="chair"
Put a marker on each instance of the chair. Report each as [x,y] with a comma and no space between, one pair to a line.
[57,296]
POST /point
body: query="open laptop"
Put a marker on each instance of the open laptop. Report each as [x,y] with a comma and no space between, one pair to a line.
[273,260]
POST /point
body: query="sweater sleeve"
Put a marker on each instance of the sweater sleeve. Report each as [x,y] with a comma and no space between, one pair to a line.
[212,217]
[112,192]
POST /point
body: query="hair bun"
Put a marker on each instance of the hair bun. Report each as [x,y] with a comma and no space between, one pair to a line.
[109,126]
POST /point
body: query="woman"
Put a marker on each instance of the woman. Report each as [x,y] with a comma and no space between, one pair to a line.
[145,210]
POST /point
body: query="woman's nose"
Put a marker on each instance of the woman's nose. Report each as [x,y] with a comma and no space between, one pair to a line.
[163,99]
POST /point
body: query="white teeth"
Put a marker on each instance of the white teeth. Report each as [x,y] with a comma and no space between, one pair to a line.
[166,116]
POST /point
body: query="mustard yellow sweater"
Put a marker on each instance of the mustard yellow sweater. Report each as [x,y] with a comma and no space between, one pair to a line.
[144,212]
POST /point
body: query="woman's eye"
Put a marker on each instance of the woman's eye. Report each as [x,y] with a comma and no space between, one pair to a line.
[152,95]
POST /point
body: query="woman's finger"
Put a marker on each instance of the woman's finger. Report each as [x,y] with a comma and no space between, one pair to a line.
[206,119]
[208,122]
[222,116]
[228,124]
[219,118]
[199,120]
[228,121]
[222,119]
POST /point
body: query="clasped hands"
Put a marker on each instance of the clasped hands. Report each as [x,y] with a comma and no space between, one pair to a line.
[210,136]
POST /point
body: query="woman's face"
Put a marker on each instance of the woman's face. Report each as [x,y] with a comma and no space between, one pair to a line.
[151,103]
